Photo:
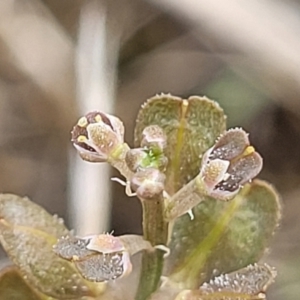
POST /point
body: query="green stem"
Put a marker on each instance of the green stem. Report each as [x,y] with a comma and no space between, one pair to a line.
[154,226]
[185,199]
[156,232]
[117,160]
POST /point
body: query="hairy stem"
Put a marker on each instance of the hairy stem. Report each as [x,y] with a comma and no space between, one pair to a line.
[117,160]
[155,230]
[185,199]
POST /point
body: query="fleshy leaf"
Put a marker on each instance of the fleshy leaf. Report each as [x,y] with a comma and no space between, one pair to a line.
[14,287]
[224,236]
[249,283]
[27,233]
[252,280]
[191,126]
[197,295]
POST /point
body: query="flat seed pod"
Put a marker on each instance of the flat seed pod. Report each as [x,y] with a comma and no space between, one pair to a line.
[191,126]
[224,236]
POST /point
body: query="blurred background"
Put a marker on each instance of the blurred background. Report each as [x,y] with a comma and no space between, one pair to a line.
[60,59]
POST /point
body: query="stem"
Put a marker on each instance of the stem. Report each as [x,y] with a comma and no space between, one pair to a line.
[155,230]
[185,199]
[153,214]
[117,160]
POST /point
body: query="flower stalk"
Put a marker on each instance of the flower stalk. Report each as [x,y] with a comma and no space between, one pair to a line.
[148,182]
[155,230]
[225,168]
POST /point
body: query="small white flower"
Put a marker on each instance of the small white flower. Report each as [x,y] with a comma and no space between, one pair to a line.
[97,135]
[101,257]
[229,164]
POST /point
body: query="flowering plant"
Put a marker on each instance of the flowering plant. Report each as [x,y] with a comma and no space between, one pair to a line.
[206,224]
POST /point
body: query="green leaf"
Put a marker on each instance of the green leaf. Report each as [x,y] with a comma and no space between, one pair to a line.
[14,287]
[27,233]
[252,280]
[224,236]
[192,126]
[197,295]
[250,283]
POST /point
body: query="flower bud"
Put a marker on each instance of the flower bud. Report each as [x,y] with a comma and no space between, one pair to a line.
[154,137]
[148,183]
[135,159]
[229,164]
[141,158]
[97,135]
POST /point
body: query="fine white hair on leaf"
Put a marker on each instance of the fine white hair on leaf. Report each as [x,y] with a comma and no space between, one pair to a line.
[252,280]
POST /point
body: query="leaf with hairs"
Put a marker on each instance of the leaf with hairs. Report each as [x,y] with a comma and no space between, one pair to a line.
[224,236]
[27,233]
[197,295]
[249,283]
[14,287]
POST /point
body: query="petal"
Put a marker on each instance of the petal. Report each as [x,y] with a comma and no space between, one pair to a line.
[104,267]
[135,158]
[240,172]
[72,248]
[214,172]
[117,126]
[102,138]
[247,167]
[230,145]
[105,243]
[90,155]
[148,183]
[153,136]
